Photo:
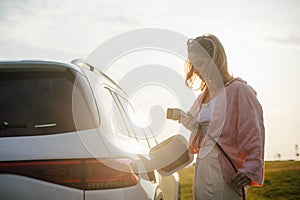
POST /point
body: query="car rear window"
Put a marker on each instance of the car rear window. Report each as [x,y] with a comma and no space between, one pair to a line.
[41,100]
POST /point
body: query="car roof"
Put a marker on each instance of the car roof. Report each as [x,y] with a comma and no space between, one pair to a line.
[77,64]
[40,62]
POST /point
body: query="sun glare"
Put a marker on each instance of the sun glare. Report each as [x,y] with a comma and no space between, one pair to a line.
[139,118]
[131,146]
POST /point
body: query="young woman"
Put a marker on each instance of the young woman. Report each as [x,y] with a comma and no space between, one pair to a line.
[227,112]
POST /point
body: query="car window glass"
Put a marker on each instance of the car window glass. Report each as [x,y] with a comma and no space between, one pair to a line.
[124,113]
[37,102]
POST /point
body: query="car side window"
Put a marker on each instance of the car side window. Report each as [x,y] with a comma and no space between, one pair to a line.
[126,126]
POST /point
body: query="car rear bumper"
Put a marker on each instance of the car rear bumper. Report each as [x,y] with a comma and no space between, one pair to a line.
[23,188]
[134,192]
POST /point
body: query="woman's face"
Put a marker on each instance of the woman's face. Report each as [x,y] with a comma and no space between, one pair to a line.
[201,65]
[200,59]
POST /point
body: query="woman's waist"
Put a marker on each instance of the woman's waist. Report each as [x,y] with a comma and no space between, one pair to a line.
[208,151]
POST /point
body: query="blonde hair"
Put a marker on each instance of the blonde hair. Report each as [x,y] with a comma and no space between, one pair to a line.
[215,50]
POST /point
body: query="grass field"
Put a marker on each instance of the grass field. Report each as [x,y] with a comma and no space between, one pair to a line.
[282,181]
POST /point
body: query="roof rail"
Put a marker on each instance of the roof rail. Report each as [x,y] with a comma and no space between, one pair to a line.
[83,64]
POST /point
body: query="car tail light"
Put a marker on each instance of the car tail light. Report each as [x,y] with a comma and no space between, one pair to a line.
[85,174]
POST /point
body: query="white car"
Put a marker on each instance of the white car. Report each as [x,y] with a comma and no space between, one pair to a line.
[58,141]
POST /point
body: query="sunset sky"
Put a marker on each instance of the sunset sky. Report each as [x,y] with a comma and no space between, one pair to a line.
[261,38]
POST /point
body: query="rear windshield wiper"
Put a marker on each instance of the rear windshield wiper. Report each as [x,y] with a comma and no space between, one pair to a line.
[5,125]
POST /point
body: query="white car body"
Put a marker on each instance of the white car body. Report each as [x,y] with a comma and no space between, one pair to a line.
[50,166]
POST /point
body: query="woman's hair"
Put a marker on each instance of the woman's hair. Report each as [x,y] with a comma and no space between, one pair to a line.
[214,48]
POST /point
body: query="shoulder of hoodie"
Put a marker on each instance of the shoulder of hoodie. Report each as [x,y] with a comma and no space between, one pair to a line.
[239,85]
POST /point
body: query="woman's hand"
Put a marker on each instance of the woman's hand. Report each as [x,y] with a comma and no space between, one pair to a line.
[241,180]
[189,122]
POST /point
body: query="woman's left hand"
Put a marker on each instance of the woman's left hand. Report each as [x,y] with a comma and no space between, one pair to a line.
[240,179]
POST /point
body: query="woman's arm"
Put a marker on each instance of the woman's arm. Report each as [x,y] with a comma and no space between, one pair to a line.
[251,133]
[196,132]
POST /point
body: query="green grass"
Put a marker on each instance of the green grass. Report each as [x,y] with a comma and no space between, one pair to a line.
[282,181]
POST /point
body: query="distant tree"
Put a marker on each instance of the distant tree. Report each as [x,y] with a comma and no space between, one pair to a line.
[297,152]
[278,156]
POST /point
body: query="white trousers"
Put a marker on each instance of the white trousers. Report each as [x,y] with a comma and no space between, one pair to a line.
[209,183]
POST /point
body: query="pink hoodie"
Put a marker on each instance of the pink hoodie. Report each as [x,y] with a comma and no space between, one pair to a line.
[237,125]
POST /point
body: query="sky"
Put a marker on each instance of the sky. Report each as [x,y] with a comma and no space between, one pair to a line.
[261,39]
